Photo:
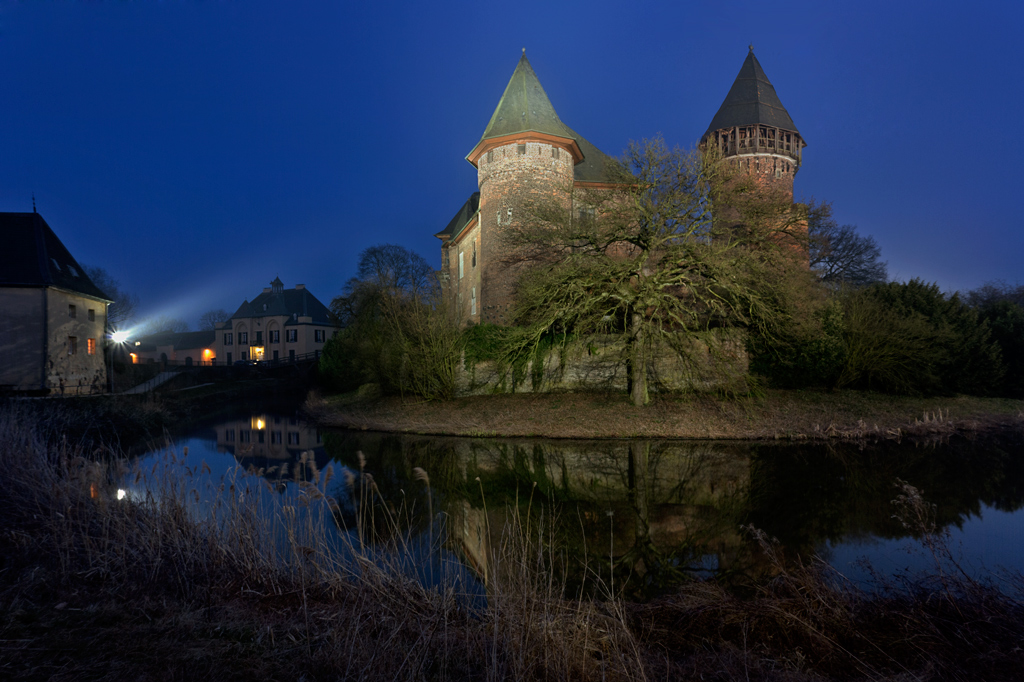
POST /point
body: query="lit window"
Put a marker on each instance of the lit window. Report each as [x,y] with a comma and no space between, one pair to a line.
[90,346]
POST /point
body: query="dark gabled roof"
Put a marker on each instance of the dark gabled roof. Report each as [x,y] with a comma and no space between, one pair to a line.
[31,255]
[751,101]
[525,107]
[180,340]
[594,166]
[294,303]
[461,218]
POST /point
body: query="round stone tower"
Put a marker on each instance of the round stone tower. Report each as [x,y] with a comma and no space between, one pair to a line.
[525,155]
[754,131]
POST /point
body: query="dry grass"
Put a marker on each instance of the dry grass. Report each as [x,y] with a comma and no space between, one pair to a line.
[96,589]
[798,415]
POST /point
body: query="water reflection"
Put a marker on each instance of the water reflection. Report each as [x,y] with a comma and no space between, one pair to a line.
[638,514]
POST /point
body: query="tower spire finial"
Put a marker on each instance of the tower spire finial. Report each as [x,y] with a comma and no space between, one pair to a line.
[751,46]
[524,51]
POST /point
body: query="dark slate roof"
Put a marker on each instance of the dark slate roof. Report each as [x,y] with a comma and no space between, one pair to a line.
[461,218]
[751,100]
[180,340]
[294,303]
[594,167]
[33,256]
[525,107]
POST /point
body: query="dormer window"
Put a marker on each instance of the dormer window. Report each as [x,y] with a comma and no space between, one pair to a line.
[56,265]
[74,273]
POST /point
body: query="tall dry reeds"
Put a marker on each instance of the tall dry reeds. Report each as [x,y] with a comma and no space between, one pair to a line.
[181,563]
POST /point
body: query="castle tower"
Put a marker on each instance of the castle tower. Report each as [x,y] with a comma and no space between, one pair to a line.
[525,154]
[753,130]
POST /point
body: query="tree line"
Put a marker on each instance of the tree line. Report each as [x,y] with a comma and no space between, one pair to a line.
[685,249]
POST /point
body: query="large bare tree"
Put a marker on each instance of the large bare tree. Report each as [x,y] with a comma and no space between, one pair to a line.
[839,255]
[679,244]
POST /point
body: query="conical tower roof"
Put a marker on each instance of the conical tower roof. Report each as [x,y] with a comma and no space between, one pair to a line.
[751,101]
[525,107]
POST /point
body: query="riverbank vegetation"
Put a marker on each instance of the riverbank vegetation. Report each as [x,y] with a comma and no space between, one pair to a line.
[93,587]
[685,263]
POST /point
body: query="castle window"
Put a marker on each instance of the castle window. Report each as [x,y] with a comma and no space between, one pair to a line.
[474,254]
[521,149]
[472,301]
[72,311]
[292,335]
[490,156]
[462,263]
[90,346]
[92,315]
[554,152]
[72,345]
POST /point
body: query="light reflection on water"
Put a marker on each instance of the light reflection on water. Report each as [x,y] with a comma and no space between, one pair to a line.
[651,511]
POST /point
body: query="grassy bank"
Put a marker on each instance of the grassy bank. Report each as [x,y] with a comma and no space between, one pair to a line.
[93,588]
[794,415]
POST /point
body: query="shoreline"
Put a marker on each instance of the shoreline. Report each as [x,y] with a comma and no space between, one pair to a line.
[775,415]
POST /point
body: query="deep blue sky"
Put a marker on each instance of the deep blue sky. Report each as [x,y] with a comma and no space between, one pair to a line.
[196,150]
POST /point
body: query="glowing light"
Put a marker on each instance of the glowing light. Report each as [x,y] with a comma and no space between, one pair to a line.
[135,358]
[121,493]
[120,337]
[260,424]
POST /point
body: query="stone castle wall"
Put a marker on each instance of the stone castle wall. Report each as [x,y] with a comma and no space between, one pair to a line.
[711,361]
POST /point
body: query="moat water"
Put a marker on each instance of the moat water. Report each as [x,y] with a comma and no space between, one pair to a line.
[639,514]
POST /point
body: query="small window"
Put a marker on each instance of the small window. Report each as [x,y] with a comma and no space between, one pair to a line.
[90,346]
[320,335]
[229,435]
[92,315]
[462,264]
[244,436]
[275,336]
[243,338]
[261,436]
[490,156]
[229,339]
[474,254]
[72,311]
[71,269]
[275,437]
[293,438]
[259,338]
[554,152]
[56,265]
[72,345]
[521,148]
[472,301]
[293,335]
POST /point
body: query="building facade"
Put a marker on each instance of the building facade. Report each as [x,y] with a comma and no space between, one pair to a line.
[526,153]
[52,317]
[279,324]
[179,348]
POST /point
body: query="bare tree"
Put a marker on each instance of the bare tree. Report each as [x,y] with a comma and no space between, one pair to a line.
[838,254]
[211,318]
[123,305]
[683,244]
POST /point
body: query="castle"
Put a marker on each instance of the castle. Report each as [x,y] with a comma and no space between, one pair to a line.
[526,152]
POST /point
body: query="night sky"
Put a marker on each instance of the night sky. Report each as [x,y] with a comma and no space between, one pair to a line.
[196,150]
